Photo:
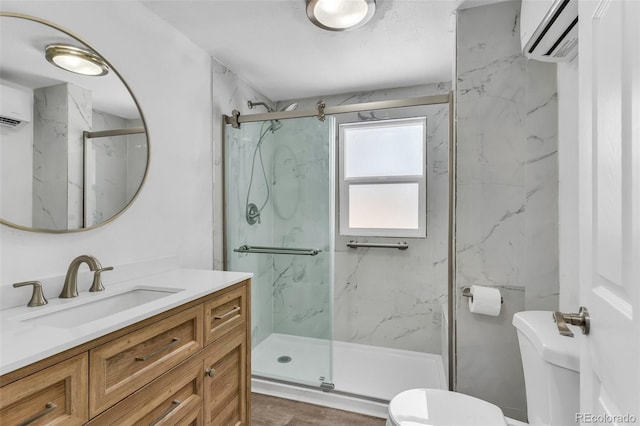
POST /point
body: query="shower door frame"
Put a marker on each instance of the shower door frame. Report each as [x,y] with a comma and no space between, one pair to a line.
[236,119]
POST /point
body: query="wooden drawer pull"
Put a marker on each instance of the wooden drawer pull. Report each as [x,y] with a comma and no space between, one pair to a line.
[174,405]
[50,406]
[173,342]
[231,312]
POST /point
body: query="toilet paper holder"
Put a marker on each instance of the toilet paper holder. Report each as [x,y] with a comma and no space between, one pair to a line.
[466,292]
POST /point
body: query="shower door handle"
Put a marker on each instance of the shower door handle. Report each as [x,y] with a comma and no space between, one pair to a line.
[278,250]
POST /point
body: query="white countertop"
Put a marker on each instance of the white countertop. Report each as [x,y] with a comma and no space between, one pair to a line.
[23,343]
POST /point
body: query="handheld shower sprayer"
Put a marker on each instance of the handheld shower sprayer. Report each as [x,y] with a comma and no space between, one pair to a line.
[252,211]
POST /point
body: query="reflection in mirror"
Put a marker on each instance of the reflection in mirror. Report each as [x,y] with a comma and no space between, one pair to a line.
[73,147]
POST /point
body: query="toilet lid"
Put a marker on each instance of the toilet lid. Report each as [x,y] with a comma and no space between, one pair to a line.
[434,407]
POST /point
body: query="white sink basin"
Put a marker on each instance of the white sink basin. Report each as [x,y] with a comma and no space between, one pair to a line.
[78,314]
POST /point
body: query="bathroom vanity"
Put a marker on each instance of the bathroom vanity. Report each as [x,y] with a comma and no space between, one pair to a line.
[178,356]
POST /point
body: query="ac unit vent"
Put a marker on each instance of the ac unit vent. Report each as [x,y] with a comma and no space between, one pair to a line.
[549,30]
[9,122]
[16,106]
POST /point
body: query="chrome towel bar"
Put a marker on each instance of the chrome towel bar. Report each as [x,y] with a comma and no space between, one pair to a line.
[278,250]
[401,245]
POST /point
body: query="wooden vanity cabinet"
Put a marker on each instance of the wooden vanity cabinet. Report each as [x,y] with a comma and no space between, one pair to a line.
[56,395]
[187,366]
[225,386]
[122,366]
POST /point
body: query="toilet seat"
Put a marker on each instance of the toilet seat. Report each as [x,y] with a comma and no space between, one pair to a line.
[435,407]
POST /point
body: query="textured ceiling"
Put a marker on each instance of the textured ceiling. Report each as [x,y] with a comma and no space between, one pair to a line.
[272,45]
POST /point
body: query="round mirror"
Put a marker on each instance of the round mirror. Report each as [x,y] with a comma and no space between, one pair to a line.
[74,150]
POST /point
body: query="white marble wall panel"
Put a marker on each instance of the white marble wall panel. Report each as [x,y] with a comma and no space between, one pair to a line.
[107,178]
[393,298]
[541,270]
[229,93]
[137,149]
[61,114]
[79,119]
[489,365]
[506,213]
[301,198]
[239,150]
[50,157]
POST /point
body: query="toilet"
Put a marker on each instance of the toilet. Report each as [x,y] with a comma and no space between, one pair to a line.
[551,365]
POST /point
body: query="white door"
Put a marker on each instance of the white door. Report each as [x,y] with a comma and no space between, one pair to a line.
[609,218]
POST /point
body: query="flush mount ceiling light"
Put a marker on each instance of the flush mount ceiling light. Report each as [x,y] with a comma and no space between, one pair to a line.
[76,60]
[340,15]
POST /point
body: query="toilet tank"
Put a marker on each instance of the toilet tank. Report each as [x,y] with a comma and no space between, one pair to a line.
[551,365]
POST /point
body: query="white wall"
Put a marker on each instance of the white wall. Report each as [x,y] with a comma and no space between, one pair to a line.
[171,79]
[568,174]
[16,164]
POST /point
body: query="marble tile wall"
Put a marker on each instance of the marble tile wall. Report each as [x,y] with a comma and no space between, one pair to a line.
[297,287]
[115,167]
[393,298]
[61,113]
[136,158]
[301,197]
[507,196]
[240,146]
[80,112]
[229,93]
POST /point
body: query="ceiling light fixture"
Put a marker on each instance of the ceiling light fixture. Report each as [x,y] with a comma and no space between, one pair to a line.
[76,60]
[340,15]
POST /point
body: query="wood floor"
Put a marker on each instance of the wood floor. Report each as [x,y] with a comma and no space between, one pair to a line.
[271,411]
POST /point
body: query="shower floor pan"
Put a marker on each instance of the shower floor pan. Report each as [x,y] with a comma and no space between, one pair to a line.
[365,377]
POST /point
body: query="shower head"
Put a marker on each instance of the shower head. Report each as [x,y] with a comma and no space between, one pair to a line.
[253,104]
[289,107]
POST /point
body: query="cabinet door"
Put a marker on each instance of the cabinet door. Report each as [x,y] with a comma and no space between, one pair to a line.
[224,313]
[57,394]
[122,366]
[174,398]
[226,386]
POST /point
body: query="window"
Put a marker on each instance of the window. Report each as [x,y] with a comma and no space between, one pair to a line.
[383,178]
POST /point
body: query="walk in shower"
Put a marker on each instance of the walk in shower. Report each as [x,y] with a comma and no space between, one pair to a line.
[362,323]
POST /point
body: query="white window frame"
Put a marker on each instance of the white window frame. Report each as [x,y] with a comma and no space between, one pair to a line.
[345,183]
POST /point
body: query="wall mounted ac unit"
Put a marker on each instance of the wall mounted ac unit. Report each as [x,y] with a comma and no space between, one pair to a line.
[549,29]
[16,107]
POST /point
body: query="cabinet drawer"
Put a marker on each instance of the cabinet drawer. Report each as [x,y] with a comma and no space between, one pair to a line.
[124,365]
[224,313]
[174,398]
[57,394]
[226,382]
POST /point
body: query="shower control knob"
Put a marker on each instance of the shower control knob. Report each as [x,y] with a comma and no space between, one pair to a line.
[210,372]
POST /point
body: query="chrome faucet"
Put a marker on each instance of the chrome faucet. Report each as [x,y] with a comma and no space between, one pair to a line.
[70,288]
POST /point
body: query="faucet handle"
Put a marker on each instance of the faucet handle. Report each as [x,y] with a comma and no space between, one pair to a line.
[37,297]
[97,279]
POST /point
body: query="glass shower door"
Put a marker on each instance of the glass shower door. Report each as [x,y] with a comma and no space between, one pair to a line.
[279,225]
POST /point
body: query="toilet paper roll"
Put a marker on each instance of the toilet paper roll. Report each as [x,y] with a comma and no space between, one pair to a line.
[485,300]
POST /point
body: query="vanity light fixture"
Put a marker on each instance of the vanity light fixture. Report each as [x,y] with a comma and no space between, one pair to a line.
[340,15]
[76,60]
